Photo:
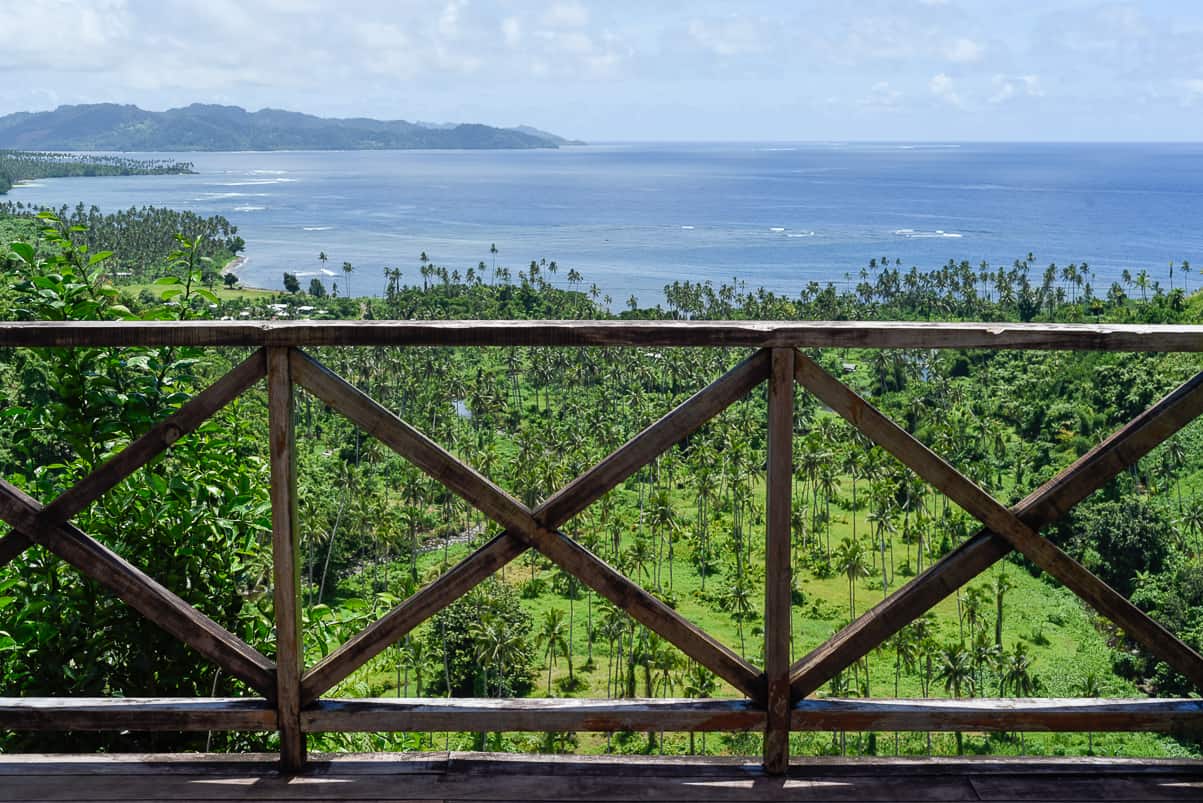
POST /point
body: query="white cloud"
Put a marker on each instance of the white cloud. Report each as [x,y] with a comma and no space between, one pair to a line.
[964,51]
[727,37]
[449,19]
[942,87]
[511,31]
[882,96]
[566,15]
[63,34]
[1007,87]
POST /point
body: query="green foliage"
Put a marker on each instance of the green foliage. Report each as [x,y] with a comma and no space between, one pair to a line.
[23,165]
[140,240]
[484,638]
[1120,540]
[193,519]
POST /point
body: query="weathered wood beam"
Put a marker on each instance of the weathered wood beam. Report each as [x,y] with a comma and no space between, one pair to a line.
[672,428]
[537,714]
[374,419]
[648,610]
[136,714]
[751,334]
[13,545]
[599,715]
[420,606]
[141,592]
[778,587]
[142,450]
[290,658]
[493,501]
[1005,714]
[995,516]
[1042,507]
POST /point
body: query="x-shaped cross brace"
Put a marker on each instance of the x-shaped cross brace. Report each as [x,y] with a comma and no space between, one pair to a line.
[526,528]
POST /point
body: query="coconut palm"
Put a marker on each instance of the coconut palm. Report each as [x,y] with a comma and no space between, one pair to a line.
[956,670]
[554,638]
[852,560]
[700,684]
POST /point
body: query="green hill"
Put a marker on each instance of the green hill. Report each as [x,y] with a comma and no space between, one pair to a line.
[200,127]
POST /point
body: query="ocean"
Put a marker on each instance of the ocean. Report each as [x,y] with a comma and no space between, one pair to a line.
[632,218]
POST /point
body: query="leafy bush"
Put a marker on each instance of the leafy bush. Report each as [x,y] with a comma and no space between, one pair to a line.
[195,519]
[485,640]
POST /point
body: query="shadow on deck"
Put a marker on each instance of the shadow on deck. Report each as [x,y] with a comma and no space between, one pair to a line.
[501,777]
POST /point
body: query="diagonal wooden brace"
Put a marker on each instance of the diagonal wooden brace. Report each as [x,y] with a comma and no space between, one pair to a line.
[974,500]
[140,591]
[158,438]
[524,528]
[1042,507]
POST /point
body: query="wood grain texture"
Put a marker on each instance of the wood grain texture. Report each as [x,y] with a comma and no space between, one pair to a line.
[285,555]
[538,714]
[13,545]
[500,777]
[1001,714]
[778,586]
[141,592]
[1041,507]
[975,501]
[136,714]
[753,334]
[537,529]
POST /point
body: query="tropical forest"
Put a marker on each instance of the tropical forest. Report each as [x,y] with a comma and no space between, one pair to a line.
[689,527]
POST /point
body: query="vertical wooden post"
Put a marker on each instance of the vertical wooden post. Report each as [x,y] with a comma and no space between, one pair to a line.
[287,570]
[777,585]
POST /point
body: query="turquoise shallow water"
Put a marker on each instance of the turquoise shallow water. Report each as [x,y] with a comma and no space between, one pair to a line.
[634,217]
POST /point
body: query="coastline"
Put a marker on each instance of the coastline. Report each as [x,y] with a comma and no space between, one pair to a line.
[235,265]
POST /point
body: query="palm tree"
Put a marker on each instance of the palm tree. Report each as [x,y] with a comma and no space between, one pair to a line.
[738,600]
[553,636]
[348,268]
[663,521]
[956,670]
[851,560]
[1089,687]
[1193,520]
[1175,458]
[700,684]
[1017,676]
[1002,584]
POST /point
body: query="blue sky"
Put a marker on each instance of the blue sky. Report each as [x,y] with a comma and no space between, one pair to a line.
[866,69]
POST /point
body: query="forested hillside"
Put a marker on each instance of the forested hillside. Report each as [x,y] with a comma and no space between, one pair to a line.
[689,527]
[206,127]
[26,165]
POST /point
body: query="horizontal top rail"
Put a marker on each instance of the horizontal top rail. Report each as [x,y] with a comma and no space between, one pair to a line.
[752,334]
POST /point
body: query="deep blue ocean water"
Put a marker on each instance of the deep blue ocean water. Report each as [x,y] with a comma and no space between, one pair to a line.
[632,218]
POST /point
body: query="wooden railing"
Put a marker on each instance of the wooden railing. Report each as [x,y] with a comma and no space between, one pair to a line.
[777,695]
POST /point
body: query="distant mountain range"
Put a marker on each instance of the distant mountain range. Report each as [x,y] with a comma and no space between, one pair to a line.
[200,127]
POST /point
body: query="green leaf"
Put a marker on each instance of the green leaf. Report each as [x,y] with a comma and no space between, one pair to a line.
[99,256]
[167,280]
[206,295]
[23,250]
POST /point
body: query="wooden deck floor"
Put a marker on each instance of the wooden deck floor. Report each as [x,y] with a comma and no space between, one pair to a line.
[485,777]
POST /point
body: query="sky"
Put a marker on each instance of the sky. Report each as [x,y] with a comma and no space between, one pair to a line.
[921,70]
